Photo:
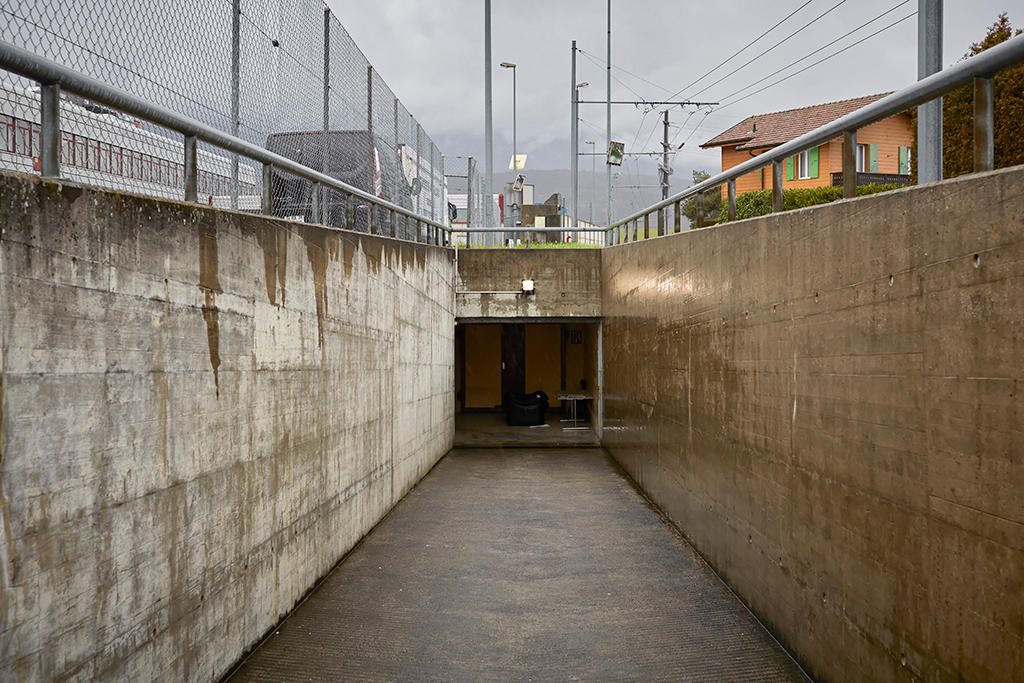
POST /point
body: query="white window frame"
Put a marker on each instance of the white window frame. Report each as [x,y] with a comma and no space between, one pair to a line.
[862,158]
[803,165]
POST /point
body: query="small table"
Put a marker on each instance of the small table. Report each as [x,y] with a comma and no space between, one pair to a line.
[572,399]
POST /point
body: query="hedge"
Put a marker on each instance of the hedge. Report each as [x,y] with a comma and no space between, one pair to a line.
[759,202]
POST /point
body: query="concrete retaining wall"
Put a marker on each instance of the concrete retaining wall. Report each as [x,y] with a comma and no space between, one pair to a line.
[829,403]
[567,281]
[202,412]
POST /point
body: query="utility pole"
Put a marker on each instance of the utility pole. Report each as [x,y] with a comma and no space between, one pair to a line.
[608,114]
[929,114]
[488,129]
[665,170]
[574,161]
[664,159]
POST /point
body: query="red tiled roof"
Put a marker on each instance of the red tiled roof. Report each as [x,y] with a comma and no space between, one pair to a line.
[770,130]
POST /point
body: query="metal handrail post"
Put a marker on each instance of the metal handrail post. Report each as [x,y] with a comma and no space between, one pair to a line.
[984,125]
[777,186]
[49,131]
[191,169]
[267,203]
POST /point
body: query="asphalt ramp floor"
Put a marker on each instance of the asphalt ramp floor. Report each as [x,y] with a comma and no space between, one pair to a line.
[521,564]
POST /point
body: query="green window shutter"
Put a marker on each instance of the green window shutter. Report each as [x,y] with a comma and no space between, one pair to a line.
[789,168]
[813,156]
[903,160]
[873,151]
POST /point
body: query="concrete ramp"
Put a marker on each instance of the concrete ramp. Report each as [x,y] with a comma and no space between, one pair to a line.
[521,565]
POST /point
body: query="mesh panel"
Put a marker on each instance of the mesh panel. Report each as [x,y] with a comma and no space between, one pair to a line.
[180,56]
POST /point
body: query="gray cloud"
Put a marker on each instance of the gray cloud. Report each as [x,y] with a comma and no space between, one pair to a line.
[431,54]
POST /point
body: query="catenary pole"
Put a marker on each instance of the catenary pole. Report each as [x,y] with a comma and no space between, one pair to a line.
[488,129]
[574,158]
[929,114]
[608,112]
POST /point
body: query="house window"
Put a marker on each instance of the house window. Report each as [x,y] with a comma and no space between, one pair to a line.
[904,160]
[867,158]
[803,165]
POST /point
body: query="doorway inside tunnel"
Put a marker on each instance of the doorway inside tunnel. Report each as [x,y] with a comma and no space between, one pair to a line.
[505,369]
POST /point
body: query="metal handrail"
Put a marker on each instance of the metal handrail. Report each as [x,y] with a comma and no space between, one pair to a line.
[984,65]
[48,73]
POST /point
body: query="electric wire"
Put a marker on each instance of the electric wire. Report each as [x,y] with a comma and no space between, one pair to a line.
[816,51]
[764,52]
[601,63]
[739,52]
[823,59]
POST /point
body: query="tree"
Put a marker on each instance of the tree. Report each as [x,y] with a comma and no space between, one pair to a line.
[712,201]
[958,113]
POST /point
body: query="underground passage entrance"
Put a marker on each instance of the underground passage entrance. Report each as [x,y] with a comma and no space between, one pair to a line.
[504,369]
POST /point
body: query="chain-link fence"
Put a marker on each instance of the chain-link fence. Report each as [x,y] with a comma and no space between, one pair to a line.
[465,183]
[281,74]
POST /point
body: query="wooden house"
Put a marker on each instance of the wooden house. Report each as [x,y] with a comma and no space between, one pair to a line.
[883,148]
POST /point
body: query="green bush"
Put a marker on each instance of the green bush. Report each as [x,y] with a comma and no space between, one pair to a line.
[759,202]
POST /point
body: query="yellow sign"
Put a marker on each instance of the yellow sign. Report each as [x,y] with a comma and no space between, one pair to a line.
[519,162]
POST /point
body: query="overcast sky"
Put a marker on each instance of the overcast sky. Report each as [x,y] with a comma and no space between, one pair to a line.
[431,54]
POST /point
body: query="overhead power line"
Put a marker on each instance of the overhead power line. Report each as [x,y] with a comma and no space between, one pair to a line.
[601,63]
[818,50]
[763,53]
[740,51]
[823,59]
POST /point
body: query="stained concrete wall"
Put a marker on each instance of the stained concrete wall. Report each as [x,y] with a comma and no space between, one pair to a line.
[568,283]
[829,404]
[202,412]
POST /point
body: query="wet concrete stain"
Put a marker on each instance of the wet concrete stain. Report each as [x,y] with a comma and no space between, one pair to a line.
[350,252]
[374,251]
[210,284]
[321,247]
[267,237]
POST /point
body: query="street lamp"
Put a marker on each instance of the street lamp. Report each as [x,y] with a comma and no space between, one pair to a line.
[593,175]
[515,164]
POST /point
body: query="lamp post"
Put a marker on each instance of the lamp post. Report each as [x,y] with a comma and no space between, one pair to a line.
[576,151]
[593,176]
[510,65]
[515,164]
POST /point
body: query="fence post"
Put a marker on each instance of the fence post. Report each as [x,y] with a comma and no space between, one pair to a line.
[776,186]
[469,197]
[319,191]
[678,217]
[419,166]
[732,200]
[984,146]
[236,13]
[348,212]
[49,130]
[647,226]
[191,171]
[267,205]
[700,209]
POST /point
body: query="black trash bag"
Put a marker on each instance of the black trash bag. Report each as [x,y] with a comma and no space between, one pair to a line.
[525,410]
